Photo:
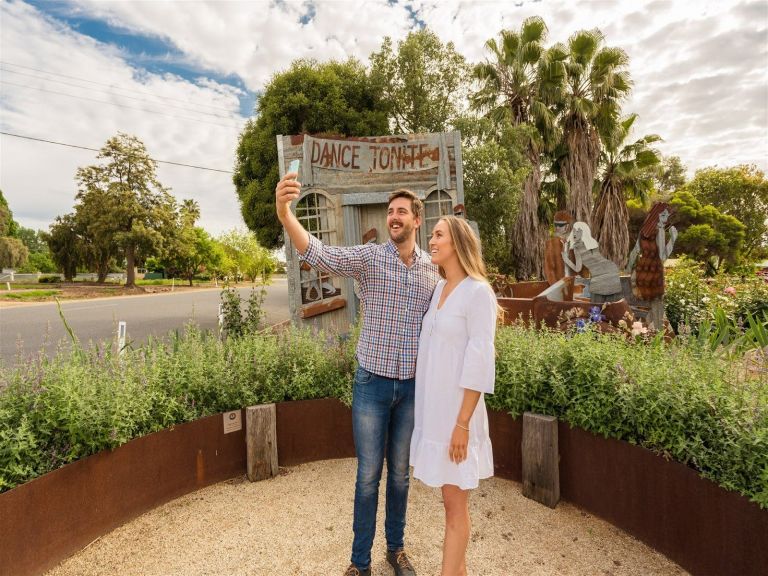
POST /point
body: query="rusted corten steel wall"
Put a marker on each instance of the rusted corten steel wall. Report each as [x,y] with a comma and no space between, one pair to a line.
[49,518]
[704,528]
[347,182]
[707,530]
[310,430]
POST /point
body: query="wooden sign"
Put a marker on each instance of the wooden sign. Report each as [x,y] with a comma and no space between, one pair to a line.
[373,157]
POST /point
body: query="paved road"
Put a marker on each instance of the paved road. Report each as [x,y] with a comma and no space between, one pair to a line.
[35,326]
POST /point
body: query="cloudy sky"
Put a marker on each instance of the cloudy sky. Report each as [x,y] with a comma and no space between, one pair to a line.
[184,77]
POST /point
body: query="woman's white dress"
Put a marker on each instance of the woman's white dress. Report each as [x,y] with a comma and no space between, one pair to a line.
[456,351]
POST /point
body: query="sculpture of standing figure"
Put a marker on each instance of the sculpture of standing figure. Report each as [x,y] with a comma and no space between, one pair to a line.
[605,285]
[647,260]
[554,267]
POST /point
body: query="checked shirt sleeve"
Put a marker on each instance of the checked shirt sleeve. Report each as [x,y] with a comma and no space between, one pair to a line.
[348,261]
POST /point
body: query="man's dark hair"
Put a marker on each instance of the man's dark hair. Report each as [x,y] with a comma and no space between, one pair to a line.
[417,206]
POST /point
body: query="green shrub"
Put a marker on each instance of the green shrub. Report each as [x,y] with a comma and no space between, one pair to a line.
[49,279]
[681,400]
[692,299]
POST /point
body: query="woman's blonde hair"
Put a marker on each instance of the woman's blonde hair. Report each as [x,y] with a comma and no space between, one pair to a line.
[470,254]
[467,247]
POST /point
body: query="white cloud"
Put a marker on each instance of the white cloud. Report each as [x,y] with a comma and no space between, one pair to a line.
[179,121]
[700,72]
[256,39]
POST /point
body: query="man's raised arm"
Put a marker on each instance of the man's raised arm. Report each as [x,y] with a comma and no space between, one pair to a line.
[288,190]
[346,261]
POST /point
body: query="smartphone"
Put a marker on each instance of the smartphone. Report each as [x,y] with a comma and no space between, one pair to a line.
[294,166]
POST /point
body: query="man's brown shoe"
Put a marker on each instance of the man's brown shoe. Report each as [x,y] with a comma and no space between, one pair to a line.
[399,561]
[355,571]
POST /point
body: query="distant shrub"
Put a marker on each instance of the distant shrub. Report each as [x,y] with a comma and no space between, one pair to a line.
[49,279]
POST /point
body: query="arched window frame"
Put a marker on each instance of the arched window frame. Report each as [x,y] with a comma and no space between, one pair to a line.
[316,211]
[437,203]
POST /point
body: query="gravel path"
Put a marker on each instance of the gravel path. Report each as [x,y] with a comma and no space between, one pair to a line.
[301,523]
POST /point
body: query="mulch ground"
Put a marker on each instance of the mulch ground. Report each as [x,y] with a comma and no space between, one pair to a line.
[300,522]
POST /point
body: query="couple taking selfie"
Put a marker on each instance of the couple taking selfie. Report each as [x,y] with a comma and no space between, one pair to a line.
[426,357]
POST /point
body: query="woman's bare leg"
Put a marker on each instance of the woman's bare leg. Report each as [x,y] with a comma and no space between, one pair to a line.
[457,527]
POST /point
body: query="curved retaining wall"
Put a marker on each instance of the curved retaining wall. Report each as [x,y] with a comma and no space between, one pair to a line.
[705,529]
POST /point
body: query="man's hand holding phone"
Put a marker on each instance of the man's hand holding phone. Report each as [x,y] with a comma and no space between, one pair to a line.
[288,190]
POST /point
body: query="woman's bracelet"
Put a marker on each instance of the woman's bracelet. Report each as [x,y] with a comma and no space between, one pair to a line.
[462,427]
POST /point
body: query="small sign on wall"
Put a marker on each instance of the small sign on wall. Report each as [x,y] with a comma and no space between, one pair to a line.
[233,421]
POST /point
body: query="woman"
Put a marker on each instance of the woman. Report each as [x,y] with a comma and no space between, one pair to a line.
[646,261]
[604,283]
[450,446]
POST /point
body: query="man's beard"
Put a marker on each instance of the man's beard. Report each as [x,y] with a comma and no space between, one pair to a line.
[402,235]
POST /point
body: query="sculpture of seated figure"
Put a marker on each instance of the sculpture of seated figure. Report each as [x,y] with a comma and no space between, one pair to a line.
[604,285]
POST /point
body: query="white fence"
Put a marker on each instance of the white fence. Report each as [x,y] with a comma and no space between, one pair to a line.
[32,278]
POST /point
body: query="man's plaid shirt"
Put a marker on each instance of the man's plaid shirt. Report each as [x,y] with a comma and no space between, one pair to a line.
[394,297]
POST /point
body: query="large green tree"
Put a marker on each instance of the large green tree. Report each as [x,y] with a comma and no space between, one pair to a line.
[516,84]
[423,84]
[97,231]
[627,171]
[705,233]
[670,175]
[8,226]
[595,84]
[39,255]
[247,255]
[740,191]
[308,98]
[13,253]
[66,245]
[32,239]
[122,203]
[191,249]
[198,252]
[495,167]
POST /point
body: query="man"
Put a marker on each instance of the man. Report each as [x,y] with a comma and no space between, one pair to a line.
[396,281]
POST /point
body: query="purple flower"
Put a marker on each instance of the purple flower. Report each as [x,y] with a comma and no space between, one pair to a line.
[581,325]
[595,314]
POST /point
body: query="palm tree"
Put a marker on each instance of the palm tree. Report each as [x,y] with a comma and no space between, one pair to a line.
[596,82]
[515,84]
[190,210]
[627,171]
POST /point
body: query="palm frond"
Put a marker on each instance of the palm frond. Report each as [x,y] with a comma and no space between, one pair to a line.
[533,30]
[583,45]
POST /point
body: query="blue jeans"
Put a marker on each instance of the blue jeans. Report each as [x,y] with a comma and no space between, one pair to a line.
[382,420]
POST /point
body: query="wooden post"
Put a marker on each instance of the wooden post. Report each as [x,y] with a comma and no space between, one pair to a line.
[261,442]
[541,459]
[656,315]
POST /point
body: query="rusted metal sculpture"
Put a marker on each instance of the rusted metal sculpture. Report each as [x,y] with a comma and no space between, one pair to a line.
[646,261]
[554,266]
[604,285]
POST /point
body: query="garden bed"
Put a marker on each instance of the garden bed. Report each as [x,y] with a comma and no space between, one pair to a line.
[665,504]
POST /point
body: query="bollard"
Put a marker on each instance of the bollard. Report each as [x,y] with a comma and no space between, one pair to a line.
[541,459]
[261,442]
[121,332]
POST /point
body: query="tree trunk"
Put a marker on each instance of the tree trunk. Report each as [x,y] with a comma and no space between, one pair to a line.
[102,270]
[610,223]
[130,267]
[578,169]
[527,240]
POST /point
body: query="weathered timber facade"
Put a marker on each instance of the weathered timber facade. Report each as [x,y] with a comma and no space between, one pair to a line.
[346,183]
